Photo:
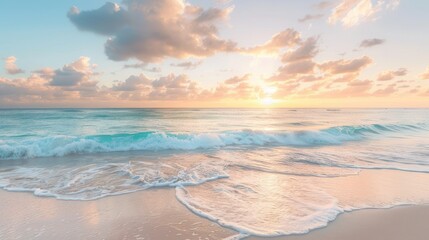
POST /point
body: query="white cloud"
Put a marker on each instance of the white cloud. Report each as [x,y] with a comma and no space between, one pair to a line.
[354,12]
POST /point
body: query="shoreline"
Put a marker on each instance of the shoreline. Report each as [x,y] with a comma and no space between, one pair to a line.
[157,214]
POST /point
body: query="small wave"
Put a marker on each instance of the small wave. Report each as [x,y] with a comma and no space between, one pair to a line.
[312,208]
[302,124]
[71,110]
[66,145]
[94,181]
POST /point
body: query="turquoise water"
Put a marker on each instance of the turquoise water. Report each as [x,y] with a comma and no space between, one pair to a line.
[207,154]
[46,133]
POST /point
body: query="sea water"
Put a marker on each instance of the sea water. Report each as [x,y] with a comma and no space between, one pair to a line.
[262,172]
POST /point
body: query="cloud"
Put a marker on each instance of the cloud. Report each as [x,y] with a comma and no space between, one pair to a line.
[425,75]
[346,66]
[371,42]
[389,90]
[324,4]
[144,67]
[237,87]
[354,88]
[18,89]
[286,38]
[237,79]
[11,67]
[354,12]
[301,67]
[70,84]
[223,1]
[45,73]
[309,78]
[286,89]
[298,62]
[74,74]
[302,76]
[306,51]
[133,83]
[295,71]
[151,30]
[310,17]
[214,14]
[345,78]
[187,65]
[180,88]
[107,20]
[174,87]
[389,75]
[136,65]
[75,84]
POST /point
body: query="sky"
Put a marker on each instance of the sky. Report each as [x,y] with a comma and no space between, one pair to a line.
[214,53]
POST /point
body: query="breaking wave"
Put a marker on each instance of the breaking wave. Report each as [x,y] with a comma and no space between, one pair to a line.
[61,145]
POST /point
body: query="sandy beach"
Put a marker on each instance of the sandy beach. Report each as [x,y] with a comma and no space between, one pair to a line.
[156,214]
[399,223]
[153,214]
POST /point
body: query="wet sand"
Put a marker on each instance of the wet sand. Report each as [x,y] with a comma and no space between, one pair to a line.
[156,214]
[399,223]
[151,214]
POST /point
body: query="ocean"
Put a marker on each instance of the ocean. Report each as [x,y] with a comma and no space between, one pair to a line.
[263,172]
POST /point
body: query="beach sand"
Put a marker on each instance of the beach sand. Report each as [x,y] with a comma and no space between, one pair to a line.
[399,223]
[151,214]
[156,214]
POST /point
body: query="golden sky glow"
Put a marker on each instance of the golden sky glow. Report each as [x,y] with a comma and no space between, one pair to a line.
[345,53]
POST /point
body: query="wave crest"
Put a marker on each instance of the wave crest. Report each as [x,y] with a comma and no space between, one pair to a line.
[66,145]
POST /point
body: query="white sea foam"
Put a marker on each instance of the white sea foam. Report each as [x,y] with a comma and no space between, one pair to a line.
[96,181]
[267,205]
[252,207]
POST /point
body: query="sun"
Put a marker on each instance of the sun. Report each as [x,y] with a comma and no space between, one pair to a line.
[267,101]
[267,95]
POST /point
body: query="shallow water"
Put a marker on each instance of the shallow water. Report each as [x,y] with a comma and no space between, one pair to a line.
[261,172]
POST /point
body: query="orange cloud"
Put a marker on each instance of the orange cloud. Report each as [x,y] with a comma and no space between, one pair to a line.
[346,66]
[286,38]
[389,75]
[425,75]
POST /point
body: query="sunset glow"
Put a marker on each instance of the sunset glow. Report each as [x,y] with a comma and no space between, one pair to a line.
[214,119]
[179,53]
